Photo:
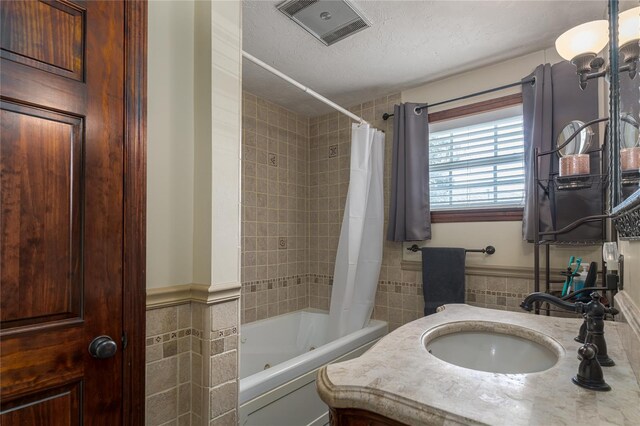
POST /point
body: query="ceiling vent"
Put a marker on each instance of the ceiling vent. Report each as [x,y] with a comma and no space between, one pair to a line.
[327,20]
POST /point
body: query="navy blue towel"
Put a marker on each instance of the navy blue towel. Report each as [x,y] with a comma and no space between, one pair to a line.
[442,277]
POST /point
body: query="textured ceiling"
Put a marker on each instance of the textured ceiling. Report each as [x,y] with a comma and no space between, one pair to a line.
[409,43]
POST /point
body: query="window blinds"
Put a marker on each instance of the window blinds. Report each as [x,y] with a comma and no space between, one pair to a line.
[477,166]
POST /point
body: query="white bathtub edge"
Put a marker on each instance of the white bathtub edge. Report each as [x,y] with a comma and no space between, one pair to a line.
[264,381]
[270,396]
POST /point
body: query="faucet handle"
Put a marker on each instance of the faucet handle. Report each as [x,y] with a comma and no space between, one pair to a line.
[588,351]
[612,311]
[595,298]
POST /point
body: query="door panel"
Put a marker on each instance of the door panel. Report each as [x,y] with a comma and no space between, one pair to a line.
[35,359]
[46,24]
[61,241]
[40,159]
[62,404]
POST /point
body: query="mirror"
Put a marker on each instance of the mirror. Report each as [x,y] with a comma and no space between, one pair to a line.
[578,145]
[629,131]
[629,153]
[624,110]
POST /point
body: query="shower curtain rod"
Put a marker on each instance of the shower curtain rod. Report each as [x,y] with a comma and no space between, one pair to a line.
[302,87]
[531,80]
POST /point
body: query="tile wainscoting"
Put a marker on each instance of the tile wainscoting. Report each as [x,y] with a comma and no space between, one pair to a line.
[169,353]
[192,346]
[400,302]
[192,358]
[397,301]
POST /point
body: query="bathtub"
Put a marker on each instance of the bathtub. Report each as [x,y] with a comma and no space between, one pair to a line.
[279,359]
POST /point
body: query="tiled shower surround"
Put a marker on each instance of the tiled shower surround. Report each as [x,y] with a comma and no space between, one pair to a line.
[275,209]
[301,197]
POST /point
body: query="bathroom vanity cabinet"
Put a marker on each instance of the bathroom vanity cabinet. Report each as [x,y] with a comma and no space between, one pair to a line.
[399,382]
[355,417]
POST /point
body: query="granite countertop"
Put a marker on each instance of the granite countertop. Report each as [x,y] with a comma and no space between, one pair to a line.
[399,379]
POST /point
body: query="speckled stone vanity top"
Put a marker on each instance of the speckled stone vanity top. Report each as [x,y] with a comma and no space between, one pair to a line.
[399,379]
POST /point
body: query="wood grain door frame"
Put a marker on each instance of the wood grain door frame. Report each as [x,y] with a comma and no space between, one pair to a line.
[135,196]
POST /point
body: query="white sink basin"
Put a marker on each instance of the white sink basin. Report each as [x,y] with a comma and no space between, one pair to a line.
[493,347]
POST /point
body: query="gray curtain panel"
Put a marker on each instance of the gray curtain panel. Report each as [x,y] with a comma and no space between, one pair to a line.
[409,218]
[572,103]
[537,110]
[548,106]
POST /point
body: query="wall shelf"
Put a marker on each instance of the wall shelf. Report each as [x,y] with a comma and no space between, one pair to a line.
[564,183]
[546,239]
[631,178]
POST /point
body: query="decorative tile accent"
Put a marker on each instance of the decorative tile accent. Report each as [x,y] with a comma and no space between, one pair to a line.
[273,160]
[173,336]
[266,298]
[274,283]
[282,243]
[224,333]
[333,151]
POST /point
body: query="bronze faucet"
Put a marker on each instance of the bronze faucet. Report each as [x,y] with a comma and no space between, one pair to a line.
[593,313]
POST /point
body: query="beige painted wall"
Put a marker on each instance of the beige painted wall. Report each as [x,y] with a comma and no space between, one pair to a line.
[193,213]
[505,236]
[202,149]
[631,252]
[170,143]
[226,143]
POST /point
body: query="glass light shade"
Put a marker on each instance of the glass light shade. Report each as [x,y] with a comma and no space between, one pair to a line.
[629,26]
[590,37]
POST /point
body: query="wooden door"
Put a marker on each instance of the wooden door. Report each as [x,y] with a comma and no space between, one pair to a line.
[62,162]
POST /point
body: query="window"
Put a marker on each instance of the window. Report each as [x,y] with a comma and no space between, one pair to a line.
[476,162]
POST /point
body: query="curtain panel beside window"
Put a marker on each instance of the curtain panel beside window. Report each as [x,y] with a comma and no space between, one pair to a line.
[409,215]
[548,106]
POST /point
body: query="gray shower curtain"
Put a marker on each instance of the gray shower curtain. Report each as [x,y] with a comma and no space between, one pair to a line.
[548,106]
[409,216]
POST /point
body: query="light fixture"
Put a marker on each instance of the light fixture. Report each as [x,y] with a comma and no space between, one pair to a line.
[581,45]
[585,39]
[629,37]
